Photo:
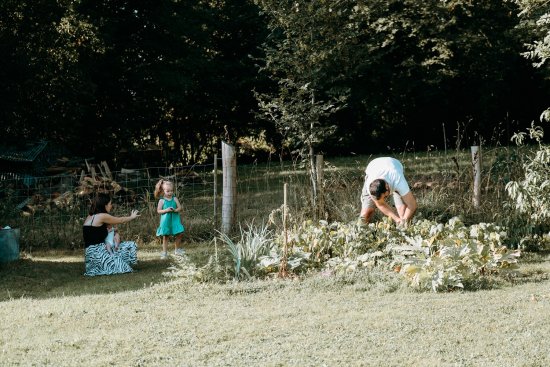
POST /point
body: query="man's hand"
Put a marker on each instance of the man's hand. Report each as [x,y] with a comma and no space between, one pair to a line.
[402,223]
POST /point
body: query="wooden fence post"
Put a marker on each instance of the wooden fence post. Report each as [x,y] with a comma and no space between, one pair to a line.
[476,165]
[229,195]
[215,190]
[319,161]
[313,178]
[283,271]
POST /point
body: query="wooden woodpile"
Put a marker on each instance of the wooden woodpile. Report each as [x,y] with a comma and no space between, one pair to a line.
[102,180]
[64,196]
[73,187]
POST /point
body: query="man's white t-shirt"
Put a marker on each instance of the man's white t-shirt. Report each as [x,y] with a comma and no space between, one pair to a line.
[390,170]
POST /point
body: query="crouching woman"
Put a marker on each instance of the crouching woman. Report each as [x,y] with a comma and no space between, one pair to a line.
[99,261]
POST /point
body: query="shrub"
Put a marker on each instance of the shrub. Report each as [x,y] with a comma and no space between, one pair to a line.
[530,197]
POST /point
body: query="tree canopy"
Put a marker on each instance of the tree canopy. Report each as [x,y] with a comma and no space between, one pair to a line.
[101,76]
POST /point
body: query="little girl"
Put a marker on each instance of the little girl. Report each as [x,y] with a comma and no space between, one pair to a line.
[170,222]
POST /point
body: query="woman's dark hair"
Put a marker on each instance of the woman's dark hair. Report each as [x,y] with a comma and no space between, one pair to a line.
[377,188]
[99,202]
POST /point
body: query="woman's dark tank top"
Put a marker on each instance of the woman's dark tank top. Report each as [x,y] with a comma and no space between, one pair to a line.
[94,235]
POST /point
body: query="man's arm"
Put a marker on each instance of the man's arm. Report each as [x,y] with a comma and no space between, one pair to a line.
[386,210]
[410,205]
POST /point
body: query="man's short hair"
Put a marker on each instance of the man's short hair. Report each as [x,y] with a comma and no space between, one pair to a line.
[377,188]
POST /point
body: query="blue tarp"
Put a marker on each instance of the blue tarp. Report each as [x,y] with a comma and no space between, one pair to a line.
[9,244]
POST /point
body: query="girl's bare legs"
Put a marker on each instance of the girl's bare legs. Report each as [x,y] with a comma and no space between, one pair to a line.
[178,240]
[177,249]
[164,253]
[164,244]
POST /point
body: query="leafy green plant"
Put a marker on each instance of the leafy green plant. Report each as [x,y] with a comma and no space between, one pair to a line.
[530,196]
[311,245]
[298,115]
[297,261]
[430,255]
[326,240]
[254,242]
[455,256]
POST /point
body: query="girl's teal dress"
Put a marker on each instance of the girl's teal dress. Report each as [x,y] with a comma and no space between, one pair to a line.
[170,223]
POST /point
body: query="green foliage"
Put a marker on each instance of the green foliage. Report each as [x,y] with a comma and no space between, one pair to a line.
[42,86]
[430,255]
[535,16]
[301,120]
[128,74]
[326,240]
[530,196]
[180,74]
[254,242]
[454,256]
[395,60]
[298,116]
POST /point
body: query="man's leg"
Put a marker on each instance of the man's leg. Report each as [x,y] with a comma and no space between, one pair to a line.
[366,214]
[401,210]
[367,204]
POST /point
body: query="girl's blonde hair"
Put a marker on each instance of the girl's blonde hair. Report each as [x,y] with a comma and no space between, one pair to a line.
[159,189]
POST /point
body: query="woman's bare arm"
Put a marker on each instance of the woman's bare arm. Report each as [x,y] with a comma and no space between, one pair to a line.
[109,219]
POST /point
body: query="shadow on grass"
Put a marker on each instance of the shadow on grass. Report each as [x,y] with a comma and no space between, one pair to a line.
[41,278]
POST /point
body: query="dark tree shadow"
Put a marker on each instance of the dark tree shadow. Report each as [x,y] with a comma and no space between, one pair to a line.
[44,278]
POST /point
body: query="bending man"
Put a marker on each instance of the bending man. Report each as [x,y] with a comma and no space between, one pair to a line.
[384,177]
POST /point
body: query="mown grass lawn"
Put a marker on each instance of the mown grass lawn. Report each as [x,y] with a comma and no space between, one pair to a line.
[57,317]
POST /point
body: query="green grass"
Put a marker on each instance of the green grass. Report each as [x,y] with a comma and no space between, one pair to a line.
[57,275]
[57,317]
[51,274]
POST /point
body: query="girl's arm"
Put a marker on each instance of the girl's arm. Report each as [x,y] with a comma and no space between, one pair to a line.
[159,207]
[178,205]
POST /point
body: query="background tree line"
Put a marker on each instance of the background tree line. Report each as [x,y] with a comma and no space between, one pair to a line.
[337,75]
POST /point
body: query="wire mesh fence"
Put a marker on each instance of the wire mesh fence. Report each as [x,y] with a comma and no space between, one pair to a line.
[49,211]
[260,190]
[441,181]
